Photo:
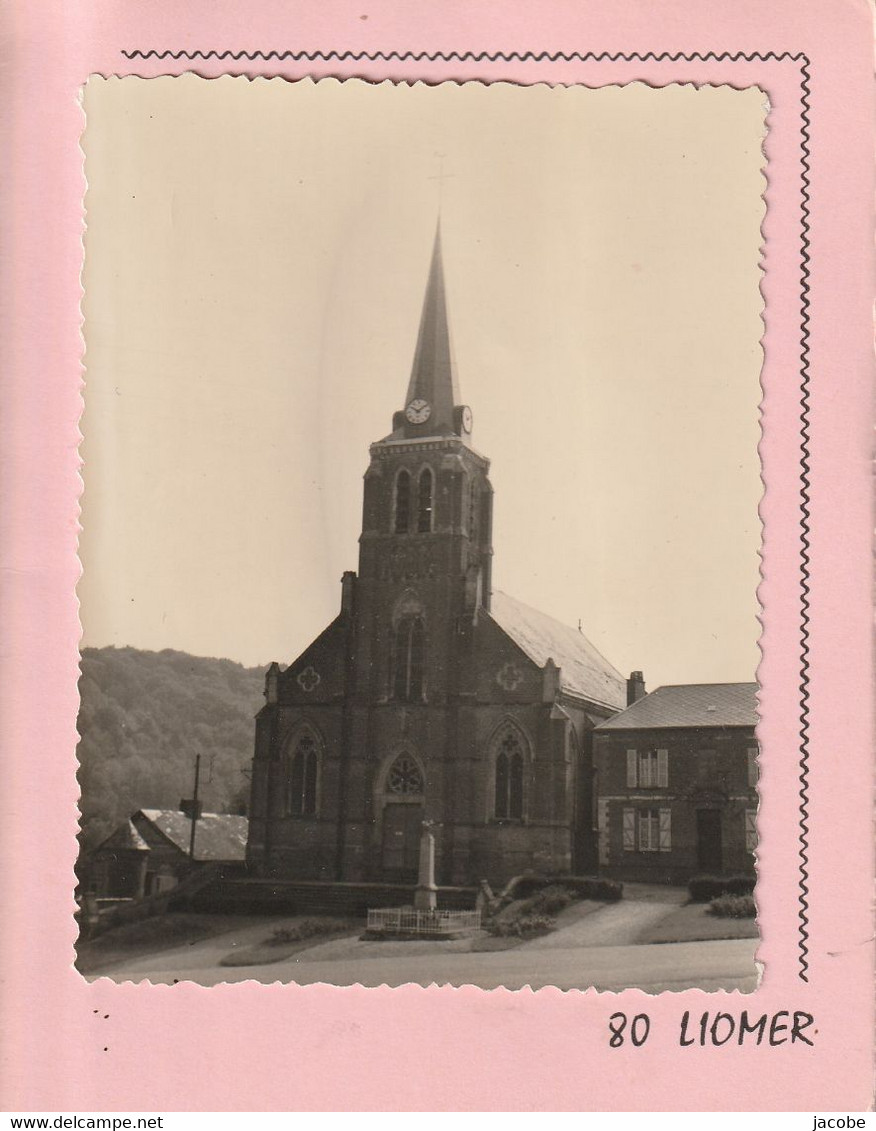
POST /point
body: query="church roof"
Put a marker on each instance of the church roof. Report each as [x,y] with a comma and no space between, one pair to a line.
[690,705]
[433,374]
[583,671]
[219,836]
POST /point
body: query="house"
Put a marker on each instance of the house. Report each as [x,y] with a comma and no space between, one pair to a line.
[430,697]
[676,778]
[149,853]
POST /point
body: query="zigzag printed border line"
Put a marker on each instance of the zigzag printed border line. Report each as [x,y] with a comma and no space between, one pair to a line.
[804,528]
[805,497]
[476,56]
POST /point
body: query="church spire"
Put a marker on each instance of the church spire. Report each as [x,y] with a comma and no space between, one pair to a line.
[433,393]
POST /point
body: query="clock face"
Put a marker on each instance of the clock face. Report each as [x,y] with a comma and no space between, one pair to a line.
[466,419]
[418,411]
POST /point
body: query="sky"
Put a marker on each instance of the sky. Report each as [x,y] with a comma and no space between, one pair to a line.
[256,256]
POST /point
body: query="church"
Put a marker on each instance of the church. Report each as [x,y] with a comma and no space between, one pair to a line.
[431,697]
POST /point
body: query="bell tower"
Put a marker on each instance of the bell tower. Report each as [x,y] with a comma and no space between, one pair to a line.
[425,549]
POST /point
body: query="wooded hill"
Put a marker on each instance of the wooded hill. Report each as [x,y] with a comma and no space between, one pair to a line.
[143,718]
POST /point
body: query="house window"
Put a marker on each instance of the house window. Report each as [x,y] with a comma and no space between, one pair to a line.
[405,776]
[424,502]
[751,757]
[647,769]
[409,648]
[647,830]
[303,767]
[750,830]
[509,779]
[402,502]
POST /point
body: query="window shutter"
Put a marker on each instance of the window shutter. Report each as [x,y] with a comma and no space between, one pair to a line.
[750,830]
[629,830]
[752,766]
[631,769]
[665,830]
[663,768]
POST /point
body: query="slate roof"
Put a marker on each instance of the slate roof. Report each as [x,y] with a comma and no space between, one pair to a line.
[690,705]
[583,671]
[219,836]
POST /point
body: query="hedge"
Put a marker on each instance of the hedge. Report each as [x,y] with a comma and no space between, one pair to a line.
[582,887]
[733,907]
[705,888]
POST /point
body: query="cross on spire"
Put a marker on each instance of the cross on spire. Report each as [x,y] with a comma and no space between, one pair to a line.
[441,176]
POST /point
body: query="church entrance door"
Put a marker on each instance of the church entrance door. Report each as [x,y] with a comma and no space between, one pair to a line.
[402,825]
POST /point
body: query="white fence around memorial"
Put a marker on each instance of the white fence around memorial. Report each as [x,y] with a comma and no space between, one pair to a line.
[410,921]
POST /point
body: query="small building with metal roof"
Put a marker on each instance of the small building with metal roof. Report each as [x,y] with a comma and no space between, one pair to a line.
[150,852]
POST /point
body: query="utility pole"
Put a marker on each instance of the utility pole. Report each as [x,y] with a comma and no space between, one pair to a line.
[195,806]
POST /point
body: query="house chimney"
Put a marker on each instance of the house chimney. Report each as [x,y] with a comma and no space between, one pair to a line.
[348,584]
[635,687]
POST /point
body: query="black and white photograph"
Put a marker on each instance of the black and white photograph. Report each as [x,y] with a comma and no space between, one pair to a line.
[420,534]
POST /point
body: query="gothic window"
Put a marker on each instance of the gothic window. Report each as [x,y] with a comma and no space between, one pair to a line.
[409,648]
[424,502]
[405,777]
[302,767]
[509,779]
[402,502]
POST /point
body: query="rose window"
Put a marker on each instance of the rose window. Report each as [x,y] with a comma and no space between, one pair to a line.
[405,776]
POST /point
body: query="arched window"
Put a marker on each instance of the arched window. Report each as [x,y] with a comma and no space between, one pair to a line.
[409,647]
[424,502]
[402,502]
[509,778]
[302,769]
[405,777]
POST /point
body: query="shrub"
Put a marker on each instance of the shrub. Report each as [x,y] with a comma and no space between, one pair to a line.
[523,922]
[733,907]
[704,888]
[535,923]
[581,887]
[551,900]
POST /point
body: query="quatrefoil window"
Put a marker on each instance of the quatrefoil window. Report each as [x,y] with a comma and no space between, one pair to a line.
[509,676]
[308,679]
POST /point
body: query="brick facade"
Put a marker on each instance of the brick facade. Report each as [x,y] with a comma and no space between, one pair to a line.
[428,697]
[696,817]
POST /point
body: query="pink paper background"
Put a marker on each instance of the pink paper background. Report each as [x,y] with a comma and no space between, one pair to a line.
[267,1048]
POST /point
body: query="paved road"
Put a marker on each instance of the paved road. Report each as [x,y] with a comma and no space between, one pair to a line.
[726,964]
[590,948]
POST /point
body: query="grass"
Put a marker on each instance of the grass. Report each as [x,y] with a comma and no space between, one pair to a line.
[151,936]
[692,923]
[290,939]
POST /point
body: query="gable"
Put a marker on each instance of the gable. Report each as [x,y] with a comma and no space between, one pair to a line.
[503,671]
[583,670]
[318,674]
